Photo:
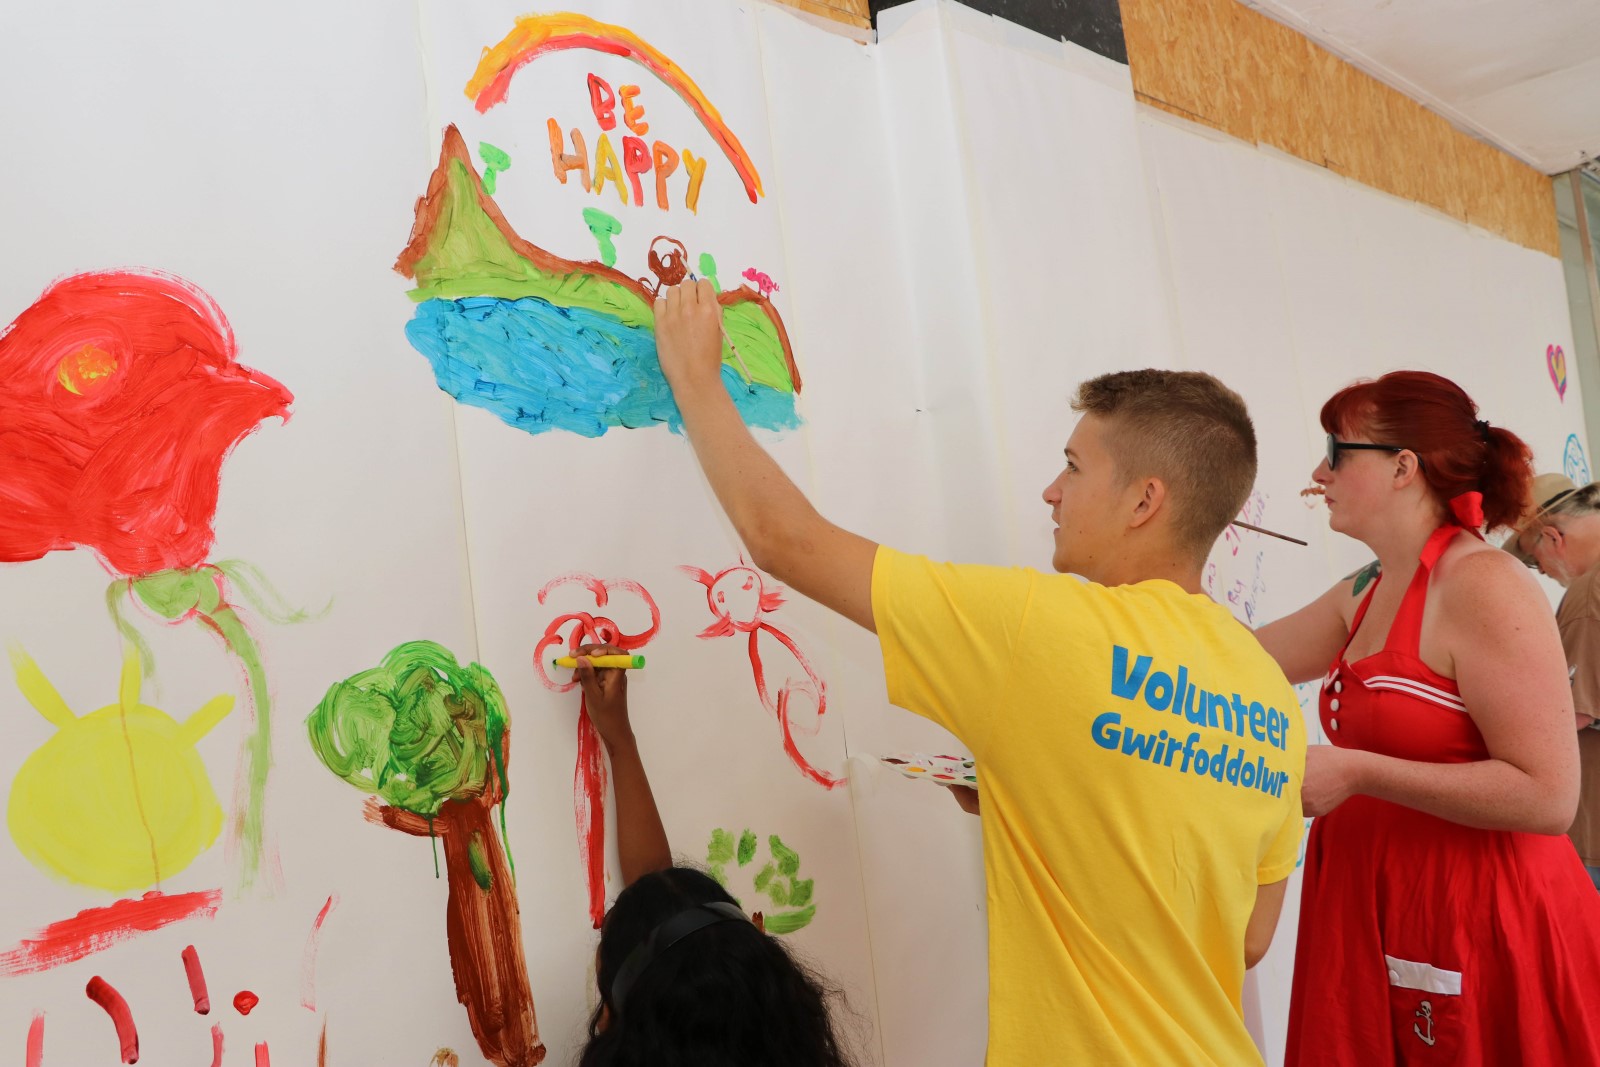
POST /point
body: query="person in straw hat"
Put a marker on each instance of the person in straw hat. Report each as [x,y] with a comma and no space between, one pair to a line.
[1560,537]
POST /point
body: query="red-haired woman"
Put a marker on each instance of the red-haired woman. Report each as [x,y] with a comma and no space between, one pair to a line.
[1445,917]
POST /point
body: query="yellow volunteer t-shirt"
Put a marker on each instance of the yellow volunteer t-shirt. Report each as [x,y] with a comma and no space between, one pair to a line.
[1139,757]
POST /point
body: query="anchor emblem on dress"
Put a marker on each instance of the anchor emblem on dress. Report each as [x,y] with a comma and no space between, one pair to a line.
[1426,1012]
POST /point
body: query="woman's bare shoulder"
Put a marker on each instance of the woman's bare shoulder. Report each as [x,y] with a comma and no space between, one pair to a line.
[1472,573]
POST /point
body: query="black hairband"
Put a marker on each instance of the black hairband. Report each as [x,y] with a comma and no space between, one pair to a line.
[663,937]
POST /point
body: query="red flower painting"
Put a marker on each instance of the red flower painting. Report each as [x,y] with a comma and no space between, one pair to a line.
[119,399]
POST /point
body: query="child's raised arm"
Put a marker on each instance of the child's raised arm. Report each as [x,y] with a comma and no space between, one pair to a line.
[641,840]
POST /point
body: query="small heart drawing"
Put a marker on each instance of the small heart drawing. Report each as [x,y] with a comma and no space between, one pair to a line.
[1557,360]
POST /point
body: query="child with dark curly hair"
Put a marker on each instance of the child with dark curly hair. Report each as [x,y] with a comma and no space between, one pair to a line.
[686,978]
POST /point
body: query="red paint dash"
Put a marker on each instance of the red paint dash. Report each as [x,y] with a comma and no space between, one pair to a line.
[308,962]
[263,1058]
[95,929]
[197,981]
[35,1055]
[589,804]
[216,1045]
[101,992]
[244,1001]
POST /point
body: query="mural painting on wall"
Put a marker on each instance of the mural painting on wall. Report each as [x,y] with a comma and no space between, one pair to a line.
[124,397]
[546,342]
[129,396]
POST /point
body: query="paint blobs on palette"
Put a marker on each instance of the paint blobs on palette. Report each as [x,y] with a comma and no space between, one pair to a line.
[940,770]
[244,1002]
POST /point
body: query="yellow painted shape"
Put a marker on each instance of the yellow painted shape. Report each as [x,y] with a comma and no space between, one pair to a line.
[38,690]
[85,370]
[119,798]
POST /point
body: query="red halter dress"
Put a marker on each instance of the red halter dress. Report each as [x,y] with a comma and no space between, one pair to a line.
[1423,941]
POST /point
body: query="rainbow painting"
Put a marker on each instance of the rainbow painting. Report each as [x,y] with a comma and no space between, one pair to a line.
[537,35]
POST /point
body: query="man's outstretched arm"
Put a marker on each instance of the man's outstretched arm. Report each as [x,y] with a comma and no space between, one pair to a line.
[783,533]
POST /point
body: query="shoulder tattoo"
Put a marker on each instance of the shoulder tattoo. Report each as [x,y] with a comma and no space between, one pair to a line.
[1364,577]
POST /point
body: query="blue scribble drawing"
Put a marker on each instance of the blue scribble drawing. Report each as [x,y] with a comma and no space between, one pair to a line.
[1572,462]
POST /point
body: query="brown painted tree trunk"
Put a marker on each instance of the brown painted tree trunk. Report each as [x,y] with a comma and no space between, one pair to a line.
[485,936]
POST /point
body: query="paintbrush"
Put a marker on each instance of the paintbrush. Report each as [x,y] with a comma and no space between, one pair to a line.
[1269,533]
[735,350]
[731,346]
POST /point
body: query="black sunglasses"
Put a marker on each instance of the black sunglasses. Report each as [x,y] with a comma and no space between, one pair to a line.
[1335,446]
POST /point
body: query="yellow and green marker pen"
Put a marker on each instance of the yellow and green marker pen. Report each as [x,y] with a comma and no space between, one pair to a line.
[614,663]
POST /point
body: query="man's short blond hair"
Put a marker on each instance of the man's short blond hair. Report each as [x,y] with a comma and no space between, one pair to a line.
[1187,429]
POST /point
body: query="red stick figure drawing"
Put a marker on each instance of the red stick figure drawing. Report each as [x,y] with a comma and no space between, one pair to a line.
[741,600]
[589,777]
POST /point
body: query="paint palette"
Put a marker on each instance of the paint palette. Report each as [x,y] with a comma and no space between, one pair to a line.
[940,770]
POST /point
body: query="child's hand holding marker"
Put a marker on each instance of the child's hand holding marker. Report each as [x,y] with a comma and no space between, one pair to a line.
[641,842]
[619,662]
[605,691]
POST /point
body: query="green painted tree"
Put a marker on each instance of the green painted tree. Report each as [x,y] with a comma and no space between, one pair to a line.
[429,737]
